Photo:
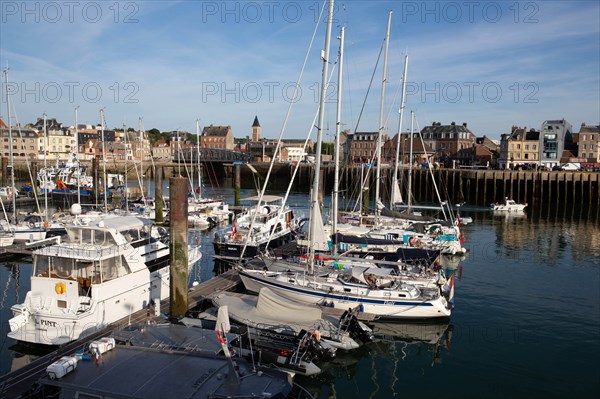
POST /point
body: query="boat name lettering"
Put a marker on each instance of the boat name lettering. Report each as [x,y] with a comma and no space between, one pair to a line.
[47,323]
[203,378]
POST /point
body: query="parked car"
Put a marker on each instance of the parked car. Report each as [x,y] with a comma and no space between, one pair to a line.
[570,167]
[556,168]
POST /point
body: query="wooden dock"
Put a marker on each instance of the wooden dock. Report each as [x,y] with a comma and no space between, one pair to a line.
[22,250]
[13,384]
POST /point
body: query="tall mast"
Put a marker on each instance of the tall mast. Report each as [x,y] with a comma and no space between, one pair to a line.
[198,158]
[47,152]
[142,158]
[10,146]
[125,177]
[381,111]
[336,182]
[104,182]
[401,111]
[314,200]
[77,158]
[410,159]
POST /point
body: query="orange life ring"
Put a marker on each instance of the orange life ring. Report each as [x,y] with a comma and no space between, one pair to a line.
[60,288]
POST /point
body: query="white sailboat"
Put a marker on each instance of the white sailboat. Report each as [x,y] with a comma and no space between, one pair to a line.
[344,290]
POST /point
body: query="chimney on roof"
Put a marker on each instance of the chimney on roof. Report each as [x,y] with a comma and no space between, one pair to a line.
[465,124]
[453,123]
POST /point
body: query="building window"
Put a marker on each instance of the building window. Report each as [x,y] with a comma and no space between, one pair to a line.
[526,147]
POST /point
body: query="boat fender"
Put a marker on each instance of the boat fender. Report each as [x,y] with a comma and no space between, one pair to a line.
[60,288]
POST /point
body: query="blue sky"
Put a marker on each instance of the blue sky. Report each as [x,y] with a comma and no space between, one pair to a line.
[490,64]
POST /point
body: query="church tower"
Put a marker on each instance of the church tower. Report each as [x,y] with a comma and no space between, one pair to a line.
[256,130]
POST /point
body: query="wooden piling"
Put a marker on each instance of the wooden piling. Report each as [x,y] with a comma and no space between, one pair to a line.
[237,181]
[158,202]
[178,244]
[96,179]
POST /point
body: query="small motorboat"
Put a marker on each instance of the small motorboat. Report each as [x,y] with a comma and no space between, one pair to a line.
[508,206]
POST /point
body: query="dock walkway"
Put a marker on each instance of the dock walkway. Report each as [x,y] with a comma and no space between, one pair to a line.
[21,250]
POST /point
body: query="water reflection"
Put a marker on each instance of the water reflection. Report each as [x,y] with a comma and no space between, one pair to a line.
[397,349]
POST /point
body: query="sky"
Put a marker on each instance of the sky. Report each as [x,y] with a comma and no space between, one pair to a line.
[491,64]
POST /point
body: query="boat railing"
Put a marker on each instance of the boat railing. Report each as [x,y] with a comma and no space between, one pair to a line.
[75,249]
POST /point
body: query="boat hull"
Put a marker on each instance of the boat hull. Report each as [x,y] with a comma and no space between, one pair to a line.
[233,249]
[380,307]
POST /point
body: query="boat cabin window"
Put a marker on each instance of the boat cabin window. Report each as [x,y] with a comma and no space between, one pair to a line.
[90,236]
[46,266]
[86,268]
[111,268]
[145,231]
[41,266]
[131,235]
[62,267]
[98,236]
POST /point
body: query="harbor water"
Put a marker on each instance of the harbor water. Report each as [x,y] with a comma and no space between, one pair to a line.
[526,321]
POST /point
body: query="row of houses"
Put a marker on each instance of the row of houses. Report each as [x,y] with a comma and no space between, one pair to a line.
[50,140]
[449,145]
[456,145]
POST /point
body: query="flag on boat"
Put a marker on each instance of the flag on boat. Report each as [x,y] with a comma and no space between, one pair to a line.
[222,325]
[451,292]
[234,231]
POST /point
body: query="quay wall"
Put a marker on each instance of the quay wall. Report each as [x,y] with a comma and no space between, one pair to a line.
[473,187]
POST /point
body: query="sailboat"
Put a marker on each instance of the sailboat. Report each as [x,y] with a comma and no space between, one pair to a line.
[368,288]
[34,227]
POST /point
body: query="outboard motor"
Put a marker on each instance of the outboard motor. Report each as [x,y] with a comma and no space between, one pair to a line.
[315,347]
[357,330]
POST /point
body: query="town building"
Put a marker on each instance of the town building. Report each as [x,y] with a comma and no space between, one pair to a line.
[25,142]
[161,150]
[555,137]
[519,147]
[139,147]
[55,141]
[220,137]
[361,147]
[589,143]
[448,140]
[256,130]
[420,152]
